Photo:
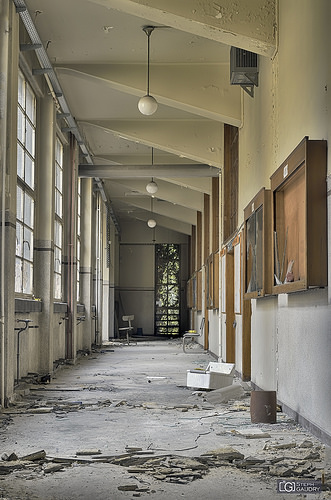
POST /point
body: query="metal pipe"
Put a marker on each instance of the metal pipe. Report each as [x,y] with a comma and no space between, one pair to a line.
[70,270]
[24,328]
[98,267]
[4,56]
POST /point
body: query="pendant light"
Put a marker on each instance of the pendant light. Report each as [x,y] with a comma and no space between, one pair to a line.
[147,104]
[152,187]
[151,222]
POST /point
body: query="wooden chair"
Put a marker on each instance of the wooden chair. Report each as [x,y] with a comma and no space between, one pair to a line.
[127,328]
[191,334]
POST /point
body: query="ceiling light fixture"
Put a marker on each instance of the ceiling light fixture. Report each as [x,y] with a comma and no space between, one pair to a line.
[147,104]
[152,187]
[151,222]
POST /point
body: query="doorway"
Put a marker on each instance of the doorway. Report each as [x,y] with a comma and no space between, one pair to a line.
[167,289]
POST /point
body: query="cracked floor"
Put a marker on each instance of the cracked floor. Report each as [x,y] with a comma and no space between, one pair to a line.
[121,424]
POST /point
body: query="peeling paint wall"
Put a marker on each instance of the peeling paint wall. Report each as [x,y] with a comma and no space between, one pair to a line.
[291,333]
[236,22]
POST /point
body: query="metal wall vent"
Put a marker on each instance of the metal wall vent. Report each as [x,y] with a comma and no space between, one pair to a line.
[244,69]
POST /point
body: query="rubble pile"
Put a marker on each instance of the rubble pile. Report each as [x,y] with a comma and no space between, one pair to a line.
[277,460]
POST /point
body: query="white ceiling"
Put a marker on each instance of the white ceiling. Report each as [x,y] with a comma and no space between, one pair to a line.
[99,52]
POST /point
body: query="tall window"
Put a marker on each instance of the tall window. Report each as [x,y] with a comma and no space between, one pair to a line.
[79,207]
[26,139]
[58,222]
[167,289]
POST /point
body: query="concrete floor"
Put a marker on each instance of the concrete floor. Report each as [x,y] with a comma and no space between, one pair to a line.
[121,424]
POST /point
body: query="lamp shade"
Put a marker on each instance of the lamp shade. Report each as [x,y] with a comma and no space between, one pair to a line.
[152,187]
[147,105]
[151,223]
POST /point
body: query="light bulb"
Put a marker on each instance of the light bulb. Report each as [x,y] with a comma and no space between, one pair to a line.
[147,105]
[152,187]
[151,223]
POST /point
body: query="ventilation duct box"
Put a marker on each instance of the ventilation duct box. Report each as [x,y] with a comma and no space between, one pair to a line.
[244,69]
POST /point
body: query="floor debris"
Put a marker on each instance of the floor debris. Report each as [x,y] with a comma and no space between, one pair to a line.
[234,391]
[159,435]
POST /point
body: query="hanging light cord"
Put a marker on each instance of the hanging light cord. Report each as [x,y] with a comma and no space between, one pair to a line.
[148,44]
[148,30]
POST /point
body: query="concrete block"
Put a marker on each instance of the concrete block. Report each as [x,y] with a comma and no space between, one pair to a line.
[252,433]
[38,455]
[227,454]
[224,394]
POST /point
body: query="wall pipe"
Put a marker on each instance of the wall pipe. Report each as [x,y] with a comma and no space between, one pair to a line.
[19,330]
[71,257]
[98,269]
[4,53]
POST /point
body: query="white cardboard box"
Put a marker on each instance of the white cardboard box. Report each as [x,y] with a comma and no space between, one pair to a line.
[216,376]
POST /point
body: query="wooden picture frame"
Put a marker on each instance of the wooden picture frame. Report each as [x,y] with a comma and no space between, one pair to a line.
[257,246]
[299,216]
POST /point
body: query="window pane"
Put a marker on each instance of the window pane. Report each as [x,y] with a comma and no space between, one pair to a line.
[57,262]
[20,126]
[18,275]
[58,234]
[58,204]
[28,244]
[19,203]
[30,104]
[78,226]
[58,178]
[28,210]
[59,152]
[20,162]
[57,286]
[78,250]
[29,171]
[27,277]
[19,239]
[21,90]
[30,139]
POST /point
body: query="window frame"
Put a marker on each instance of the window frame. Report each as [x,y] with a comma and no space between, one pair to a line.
[58,220]
[25,186]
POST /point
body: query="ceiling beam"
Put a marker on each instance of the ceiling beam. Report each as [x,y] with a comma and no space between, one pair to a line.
[123,171]
[206,93]
[200,140]
[250,25]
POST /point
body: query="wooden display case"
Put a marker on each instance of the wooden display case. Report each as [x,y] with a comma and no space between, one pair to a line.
[257,246]
[299,215]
